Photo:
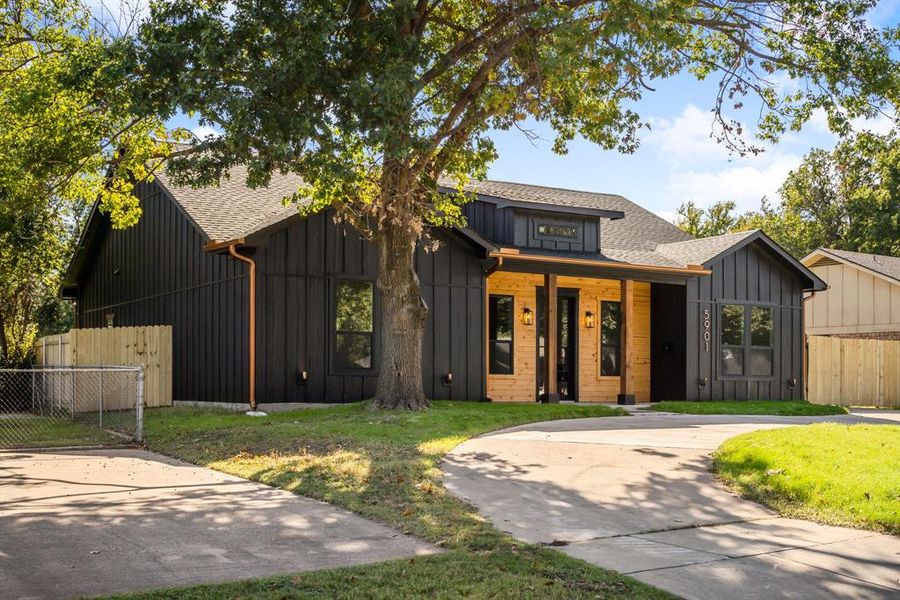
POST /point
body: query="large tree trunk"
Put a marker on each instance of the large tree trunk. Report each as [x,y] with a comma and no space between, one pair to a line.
[403,311]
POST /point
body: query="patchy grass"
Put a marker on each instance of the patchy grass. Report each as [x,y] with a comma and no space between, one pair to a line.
[784,408]
[384,465]
[831,473]
[41,432]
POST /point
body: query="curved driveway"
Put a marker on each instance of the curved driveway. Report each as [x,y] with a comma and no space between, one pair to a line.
[635,494]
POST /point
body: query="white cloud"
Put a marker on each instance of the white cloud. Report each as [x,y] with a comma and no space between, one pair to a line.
[686,138]
[745,184]
[204,131]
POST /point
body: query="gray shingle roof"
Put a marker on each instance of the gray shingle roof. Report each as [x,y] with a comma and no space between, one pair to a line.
[639,230]
[698,251]
[889,266]
[232,209]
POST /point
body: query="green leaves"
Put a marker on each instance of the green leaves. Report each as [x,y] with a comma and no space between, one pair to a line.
[68,137]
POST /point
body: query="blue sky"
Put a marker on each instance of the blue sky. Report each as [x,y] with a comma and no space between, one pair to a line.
[677,161]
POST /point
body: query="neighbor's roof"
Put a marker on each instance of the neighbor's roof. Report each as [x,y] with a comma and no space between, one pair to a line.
[888,266]
[232,209]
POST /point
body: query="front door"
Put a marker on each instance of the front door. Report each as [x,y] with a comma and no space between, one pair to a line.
[566,344]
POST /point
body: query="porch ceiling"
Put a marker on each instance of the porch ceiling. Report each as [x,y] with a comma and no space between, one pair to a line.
[586,267]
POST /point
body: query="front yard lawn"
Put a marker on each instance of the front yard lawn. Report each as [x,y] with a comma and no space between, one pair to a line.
[43,432]
[784,408]
[384,465]
[831,473]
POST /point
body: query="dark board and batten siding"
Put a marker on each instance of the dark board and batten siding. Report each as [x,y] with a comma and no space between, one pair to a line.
[156,273]
[165,277]
[298,267]
[519,227]
[751,276]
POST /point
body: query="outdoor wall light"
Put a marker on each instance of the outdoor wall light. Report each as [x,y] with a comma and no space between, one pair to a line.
[527,316]
[792,382]
[448,379]
[702,381]
[590,320]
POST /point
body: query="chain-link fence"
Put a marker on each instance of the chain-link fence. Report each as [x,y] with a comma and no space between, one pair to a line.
[60,406]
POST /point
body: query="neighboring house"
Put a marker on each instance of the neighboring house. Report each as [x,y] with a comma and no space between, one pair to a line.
[863,295]
[547,293]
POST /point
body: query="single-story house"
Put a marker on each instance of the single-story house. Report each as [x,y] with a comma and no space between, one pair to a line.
[545,294]
[863,295]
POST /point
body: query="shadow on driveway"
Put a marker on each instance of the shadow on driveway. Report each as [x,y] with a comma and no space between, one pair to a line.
[86,523]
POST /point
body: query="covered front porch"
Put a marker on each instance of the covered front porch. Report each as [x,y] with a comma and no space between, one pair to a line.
[584,330]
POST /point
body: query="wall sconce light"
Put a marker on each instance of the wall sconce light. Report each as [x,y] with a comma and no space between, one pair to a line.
[448,379]
[792,382]
[302,377]
[590,320]
[702,381]
[527,316]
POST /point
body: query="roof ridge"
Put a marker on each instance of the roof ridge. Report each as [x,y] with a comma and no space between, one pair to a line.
[552,187]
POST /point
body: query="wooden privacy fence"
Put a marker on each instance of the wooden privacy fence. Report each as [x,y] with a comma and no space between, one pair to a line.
[116,346]
[853,372]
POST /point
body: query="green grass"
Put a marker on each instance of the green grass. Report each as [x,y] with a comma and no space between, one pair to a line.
[831,473]
[39,432]
[785,408]
[384,466]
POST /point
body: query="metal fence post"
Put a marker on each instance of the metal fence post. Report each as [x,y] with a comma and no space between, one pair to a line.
[101,398]
[139,416]
[73,395]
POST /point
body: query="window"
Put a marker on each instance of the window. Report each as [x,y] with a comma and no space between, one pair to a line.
[353,325]
[746,340]
[610,338]
[501,311]
[561,231]
[761,328]
[732,339]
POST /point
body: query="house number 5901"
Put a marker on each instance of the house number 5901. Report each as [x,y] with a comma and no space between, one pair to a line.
[706,325]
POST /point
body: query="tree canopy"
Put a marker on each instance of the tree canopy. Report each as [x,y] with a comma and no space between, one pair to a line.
[846,198]
[373,102]
[68,137]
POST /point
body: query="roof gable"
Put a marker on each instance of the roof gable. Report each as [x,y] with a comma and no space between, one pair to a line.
[886,267]
[704,251]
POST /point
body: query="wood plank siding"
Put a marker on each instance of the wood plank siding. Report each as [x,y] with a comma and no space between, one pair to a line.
[521,385]
[751,276]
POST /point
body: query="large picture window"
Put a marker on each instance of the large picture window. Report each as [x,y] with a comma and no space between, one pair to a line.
[610,339]
[501,311]
[353,323]
[746,340]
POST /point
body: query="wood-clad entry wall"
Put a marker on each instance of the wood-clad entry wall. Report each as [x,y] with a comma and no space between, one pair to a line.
[521,385]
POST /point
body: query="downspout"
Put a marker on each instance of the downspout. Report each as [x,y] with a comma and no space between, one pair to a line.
[252,319]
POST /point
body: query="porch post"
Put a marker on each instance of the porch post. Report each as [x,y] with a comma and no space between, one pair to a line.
[626,302]
[550,331]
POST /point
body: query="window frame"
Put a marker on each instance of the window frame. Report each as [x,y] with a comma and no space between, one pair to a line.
[747,345]
[375,335]
[512,336]
[599,328]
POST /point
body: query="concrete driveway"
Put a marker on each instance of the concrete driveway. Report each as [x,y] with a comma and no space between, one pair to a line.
[635,494]
[87,523]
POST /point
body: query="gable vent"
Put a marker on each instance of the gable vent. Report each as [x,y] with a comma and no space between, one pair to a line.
[825,262]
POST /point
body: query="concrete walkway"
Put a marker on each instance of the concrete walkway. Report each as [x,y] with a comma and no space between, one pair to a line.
[635,495]
[88,523]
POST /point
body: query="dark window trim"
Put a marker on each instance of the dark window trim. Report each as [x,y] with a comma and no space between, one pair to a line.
[747,345]
[600,340]
[333,369]
[512,335]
